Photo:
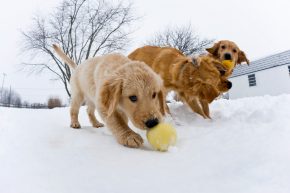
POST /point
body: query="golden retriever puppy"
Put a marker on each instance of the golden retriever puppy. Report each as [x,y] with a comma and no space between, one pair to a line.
[227,50]
[196,82]
[120,89]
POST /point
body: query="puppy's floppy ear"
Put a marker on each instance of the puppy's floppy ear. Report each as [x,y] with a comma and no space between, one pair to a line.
[162,101]
[110,94]
[214,49]
[242,58]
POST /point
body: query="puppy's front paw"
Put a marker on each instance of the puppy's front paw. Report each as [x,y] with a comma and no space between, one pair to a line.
[75,125]
[131,139]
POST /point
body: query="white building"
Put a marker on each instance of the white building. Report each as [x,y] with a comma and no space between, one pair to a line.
[266,76]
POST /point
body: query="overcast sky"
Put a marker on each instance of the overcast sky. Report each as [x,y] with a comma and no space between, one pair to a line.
[260,28]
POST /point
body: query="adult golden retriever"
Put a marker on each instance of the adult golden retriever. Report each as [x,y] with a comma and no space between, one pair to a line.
[120,89]
[195,81]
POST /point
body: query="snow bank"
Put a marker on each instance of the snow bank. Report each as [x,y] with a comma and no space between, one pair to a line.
[244,148]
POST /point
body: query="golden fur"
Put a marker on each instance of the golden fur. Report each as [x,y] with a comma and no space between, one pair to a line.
[196,82]
[108,83]
[225,47]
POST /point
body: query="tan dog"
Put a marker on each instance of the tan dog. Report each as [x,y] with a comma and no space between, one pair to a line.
[196,82]
[119,89]
[227,50]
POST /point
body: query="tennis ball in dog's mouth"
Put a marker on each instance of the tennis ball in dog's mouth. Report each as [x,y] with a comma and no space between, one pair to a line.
[229,64]
[162,136]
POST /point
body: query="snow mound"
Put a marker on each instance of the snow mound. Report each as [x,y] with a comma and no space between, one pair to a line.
[244,148]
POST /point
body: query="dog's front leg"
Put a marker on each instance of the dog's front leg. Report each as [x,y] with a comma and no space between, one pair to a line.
[117,122]
[195,105]
[205,108]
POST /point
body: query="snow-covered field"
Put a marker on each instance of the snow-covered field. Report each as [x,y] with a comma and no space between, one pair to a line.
[244,148]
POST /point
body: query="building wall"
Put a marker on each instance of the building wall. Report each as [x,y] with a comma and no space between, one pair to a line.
[273,81]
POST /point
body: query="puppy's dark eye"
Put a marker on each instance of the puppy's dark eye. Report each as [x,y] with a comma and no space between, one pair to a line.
[223,47]
[234,50]
[133,98]
[154,95]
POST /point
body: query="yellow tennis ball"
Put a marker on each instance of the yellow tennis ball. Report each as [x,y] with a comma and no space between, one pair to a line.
[229,64]
[162,136]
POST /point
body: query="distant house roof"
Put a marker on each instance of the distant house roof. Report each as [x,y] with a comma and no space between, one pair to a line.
[262,64]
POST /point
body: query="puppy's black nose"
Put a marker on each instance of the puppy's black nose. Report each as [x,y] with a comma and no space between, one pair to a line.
[228,56]
[151,122]
[229,85]
[222,72]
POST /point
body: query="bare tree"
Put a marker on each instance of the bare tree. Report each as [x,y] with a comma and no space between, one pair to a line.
[83,28]
[183,38]
[10,98]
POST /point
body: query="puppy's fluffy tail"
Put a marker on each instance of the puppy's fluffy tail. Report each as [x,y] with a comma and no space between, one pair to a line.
[64,57]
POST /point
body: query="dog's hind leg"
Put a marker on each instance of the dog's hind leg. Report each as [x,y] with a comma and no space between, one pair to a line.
[76,102]
[91,113]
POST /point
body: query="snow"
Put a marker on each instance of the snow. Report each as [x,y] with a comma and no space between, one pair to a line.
[245,148]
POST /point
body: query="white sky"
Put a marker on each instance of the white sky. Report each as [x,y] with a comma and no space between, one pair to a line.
[260,28]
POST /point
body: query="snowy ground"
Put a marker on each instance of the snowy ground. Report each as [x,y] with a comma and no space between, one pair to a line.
[244,148]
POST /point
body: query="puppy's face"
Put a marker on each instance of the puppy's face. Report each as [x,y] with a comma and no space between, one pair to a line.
[142,102]
[140,95]
[219,80]
[224,85]
[228,50]
[210,71]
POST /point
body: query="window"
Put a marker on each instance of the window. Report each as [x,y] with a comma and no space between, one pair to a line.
[252,80]
[289,70]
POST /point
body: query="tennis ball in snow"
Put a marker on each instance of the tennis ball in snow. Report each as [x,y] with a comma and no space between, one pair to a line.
[229,64]
[162,136]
